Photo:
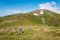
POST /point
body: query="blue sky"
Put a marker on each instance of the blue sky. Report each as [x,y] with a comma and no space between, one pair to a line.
[8,7]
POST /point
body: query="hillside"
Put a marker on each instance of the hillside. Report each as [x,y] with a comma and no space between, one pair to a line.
[28,19]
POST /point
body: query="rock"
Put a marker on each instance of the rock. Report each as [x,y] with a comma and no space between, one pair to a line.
[20,30]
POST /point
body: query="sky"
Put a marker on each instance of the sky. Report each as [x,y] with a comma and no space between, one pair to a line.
[9,7]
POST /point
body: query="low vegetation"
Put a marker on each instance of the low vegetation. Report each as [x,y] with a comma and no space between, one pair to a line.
[32,33]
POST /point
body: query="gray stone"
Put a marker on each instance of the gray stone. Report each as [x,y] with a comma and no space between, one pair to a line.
[20,30]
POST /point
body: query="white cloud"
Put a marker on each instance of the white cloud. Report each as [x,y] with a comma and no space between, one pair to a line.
[13,11]
[50,6]
[53,2]
[9,12]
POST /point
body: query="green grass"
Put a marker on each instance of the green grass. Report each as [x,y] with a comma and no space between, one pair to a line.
[33,33]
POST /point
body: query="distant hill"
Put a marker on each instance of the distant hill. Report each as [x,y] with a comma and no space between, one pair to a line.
[31,18]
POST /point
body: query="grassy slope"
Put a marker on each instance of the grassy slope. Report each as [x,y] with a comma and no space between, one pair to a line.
[51,18]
